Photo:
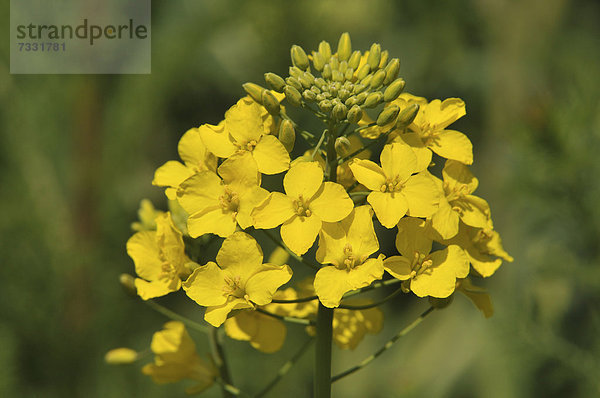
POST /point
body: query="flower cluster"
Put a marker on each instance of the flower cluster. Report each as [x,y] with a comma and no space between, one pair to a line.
[327,209]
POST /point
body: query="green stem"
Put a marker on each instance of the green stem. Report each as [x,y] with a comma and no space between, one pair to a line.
[285,368]
[291,253]
[316,150]
[385,347]
[375,285]
[219,359]
[294,301]
[367,306]
[322,378]
[176,317]
[362,193]
[291,319]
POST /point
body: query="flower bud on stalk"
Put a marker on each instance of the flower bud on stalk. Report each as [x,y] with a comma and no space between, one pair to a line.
[355,114]
[374,56]
[344,48]
[387,115]
[254,90]
[391,70]
[299,57]
[270,103]
[342,146]
[393,90]
[373,99]
[292,95]
[275,81]
[287,134]
[407,116]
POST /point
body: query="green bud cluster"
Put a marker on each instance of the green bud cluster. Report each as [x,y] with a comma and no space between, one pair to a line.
[339,85]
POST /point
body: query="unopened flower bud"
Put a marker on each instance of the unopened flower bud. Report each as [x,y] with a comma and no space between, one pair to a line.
[384,58]
[295,71]
[348,74]
[350,101]
[388,115]
[292,81]
[374,56]
[299,57]
[359,88]
[373,99]
[391,71]
[393,90]
[326,71]
[407,116]
[361,97]
[363,71]
[128,283]
[339,112]
[342,146]
[325,106]
[354,60]
[367,80]
[309,95]
[287,134]
[254,90]
[344,48]
[343,66]
[354,114]
[334,63]
[377,79]
[275,81]
[270,103]
[292,95]
[325,50]
[306,83]
[343,94]
[318,61]
[121,356]
[337,76]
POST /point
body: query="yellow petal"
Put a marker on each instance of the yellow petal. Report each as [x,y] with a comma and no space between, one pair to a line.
[360,232]
[273,211]
[389,207]
[398,161]
[439,279]
[299,233]
[218,314]
[200,191]
[412,237]
[143,250]
[398,266]
[170,240]
[368,173]
[249,200]
[453,145]
[171,174]
[270,335]
[331,202]
[205,285]
[243,326]
[421,151]
[243,122]
[217,140]
[194,153]
[240,170]
[271,156]
[262,285]
[422,195]
[332,240]
[240,255]
[456,175]
[213,220]
[474,211]
[445,220]
[303,179]
[157,288]
[478,296]
[442,114]
[121,356]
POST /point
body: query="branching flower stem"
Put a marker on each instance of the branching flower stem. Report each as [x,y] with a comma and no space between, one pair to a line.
[372,305]
[385,347]
[219,358]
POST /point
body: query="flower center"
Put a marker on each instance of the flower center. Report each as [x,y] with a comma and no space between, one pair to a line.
[233,287]
[420,264]
[229,201]
[458,192]
[349,257]
[392,185]
[168,271]
[301,207]
[250,145]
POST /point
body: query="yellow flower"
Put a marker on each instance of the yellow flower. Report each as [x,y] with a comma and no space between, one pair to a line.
[478,296]
[483,248]
[351,326]
[159,259]
[347,245]
[308,202]
[196,158]
[217,206]
[244,131]
[430,125]
[147,215]
[427,274]
[264,332]
[239,281]
[176,359]
[457,203]
[121,356]
[395,190]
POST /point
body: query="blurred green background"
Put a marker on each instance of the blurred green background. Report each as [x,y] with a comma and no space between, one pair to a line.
[77,153]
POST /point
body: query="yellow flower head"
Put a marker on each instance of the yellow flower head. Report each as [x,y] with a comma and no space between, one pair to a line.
[245,132]
[159,258]
[457,203]
[176,359]
[307,203]
[239,279]
[428,274]
[218,205]
[430,126]
[147,217]
[196,158]
[347,245]
[396,190]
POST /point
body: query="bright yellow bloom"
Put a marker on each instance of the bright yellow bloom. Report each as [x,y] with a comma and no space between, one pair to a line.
[176,359]
[395,190]
[430,125]
[427,274]
[246,133]
[307,203]
[239,281]
[457,203]
[196,158]
[147,214]
[477,295]
[218,205]
[159,258]
[483,247]
[347,245]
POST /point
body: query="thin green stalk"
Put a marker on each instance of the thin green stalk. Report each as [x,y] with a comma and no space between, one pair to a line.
[362,193]
[291,319]
[285,368]
[375,285]
[219,359]
[294,301]
[372,305]
[291,253]
[385,347]
[322,378]
[318,146]
[176,317]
